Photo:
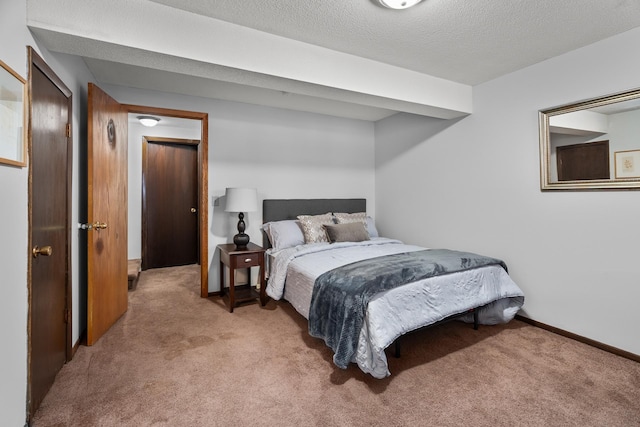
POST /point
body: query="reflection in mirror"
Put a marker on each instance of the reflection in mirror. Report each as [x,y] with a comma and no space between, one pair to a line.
[592,144]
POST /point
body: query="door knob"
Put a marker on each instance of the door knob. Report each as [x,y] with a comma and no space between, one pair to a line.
[193,210]
[44,251]
[96,225]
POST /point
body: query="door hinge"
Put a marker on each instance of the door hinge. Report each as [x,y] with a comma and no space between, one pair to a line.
[66,315]
[68,130]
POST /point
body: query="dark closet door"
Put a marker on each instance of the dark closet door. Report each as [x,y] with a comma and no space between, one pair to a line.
[583,161]
[170,202]
[50,168]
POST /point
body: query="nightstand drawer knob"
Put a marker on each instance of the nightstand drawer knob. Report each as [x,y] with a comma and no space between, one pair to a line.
[247,260]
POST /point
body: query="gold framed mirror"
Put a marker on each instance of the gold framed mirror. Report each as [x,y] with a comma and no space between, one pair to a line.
[592,144]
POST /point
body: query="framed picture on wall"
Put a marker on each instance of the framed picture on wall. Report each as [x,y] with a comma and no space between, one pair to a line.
[12,117]
[627,164]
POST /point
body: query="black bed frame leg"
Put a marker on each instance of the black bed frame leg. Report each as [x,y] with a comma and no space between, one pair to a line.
[475,319]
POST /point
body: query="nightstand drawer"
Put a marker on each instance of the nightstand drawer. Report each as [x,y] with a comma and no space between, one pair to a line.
[247,260]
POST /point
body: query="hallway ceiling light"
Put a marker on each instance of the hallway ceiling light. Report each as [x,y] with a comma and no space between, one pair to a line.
[399,4]
[148,121]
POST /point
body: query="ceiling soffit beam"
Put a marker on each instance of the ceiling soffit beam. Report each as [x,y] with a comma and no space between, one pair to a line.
[144,33]
[130,58]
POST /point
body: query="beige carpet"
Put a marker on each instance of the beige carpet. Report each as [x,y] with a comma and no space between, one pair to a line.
[175,359]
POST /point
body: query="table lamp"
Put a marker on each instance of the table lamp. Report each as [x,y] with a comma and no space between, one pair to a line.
[241,200]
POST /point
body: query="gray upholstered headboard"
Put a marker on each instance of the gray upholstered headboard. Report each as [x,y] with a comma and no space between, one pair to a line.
[282,209]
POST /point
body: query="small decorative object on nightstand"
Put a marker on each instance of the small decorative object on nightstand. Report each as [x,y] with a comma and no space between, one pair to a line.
[252,256]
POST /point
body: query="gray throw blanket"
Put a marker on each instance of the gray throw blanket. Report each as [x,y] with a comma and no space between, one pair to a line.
[340,296]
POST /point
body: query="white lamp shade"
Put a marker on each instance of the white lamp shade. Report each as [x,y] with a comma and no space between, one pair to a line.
[241,200]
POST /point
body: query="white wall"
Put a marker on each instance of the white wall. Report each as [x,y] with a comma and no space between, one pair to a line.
[625,128]
[14,219]
[282,153]
[13,244]
[624,131]
[474,184]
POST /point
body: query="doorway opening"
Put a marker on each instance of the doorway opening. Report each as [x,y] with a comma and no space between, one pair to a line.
[169,128]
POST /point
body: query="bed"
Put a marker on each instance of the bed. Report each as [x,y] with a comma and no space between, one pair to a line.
[361,292]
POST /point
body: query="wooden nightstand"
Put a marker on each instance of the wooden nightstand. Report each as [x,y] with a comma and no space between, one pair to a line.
[253,256]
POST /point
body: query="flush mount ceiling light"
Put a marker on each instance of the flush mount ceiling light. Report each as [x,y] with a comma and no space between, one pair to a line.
[399,4]
[148,121]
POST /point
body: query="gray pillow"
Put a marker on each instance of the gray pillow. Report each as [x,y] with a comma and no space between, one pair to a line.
[347,232]
[342,218]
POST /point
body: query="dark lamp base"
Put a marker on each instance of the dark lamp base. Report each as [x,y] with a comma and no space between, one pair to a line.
[241,240]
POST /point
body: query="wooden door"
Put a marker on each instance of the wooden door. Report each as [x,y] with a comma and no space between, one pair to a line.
[107,212]
[50,233]
[169,203]
[583,161]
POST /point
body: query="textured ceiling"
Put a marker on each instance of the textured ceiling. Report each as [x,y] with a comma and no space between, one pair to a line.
[461,40]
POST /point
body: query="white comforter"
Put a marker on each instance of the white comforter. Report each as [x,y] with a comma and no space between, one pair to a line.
[394,312]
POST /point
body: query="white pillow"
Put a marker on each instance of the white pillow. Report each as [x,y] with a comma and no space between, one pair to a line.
[284,234]
[371,227]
